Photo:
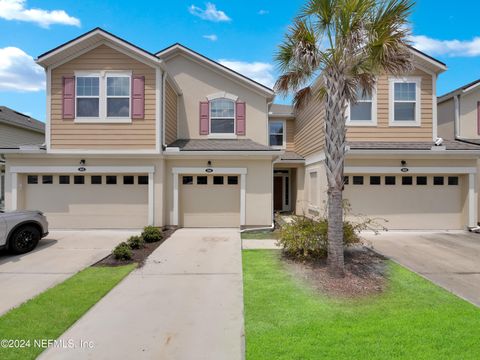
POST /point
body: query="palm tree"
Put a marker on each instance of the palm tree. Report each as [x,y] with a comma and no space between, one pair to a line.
[333,48]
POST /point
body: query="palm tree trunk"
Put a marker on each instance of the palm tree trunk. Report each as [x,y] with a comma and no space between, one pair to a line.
[335,133]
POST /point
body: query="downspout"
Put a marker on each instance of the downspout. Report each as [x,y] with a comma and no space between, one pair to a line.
[164,78]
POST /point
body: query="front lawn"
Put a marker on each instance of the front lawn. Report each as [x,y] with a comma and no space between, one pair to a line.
[413,319]
[49,314]
[261,235]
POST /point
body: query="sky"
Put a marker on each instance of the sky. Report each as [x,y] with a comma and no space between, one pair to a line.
[243,35]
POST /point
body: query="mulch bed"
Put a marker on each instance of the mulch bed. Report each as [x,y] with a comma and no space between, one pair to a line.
[139,255]
[365,274]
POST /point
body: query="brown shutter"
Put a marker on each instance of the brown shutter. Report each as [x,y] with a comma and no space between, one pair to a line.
[68,97]
[204,117]
[240,118]
[138,97]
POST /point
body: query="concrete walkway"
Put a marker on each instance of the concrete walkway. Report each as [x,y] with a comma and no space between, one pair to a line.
[449,259]
[186,303]
[57,257]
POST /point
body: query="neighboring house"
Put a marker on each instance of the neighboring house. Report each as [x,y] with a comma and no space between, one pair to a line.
[393,169]
[17,129]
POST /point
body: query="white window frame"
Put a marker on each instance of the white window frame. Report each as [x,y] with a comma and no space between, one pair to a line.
[284,134]
[102,91]
[371,122]
[232,135]
[418,103]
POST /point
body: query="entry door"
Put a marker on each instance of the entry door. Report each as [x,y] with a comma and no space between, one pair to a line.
[278,193]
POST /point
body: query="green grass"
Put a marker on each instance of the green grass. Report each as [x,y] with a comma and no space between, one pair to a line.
[413,319]
[260,235]
[49,314]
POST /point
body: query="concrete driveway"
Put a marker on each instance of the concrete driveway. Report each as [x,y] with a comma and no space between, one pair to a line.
[449,259]
[57,257]
[185,303]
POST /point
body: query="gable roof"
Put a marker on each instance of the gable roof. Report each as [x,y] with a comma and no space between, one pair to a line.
[89,40]
[178,48]
[281,110]
[441,65]
[462,89]
[15,118]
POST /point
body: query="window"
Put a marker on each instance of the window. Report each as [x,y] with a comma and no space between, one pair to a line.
[421,180]
[358,180]
[453,180]
[232,180]
[88,96]
[143,180]
[96,180]
[405,101]
[64,179]
[374,180]
[47,179]
[218,180]
[111,180]
[390,180]
[222,116]
[346,180]
[32,179]
[276,133]
[364,111]
[187,180]
[202,180]
[128,180]
[407,180]
[438,180]
[118,96]
[79,179]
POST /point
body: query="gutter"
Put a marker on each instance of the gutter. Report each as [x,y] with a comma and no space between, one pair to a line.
[388,152]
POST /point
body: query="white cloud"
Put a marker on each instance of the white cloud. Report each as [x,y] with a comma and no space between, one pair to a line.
[18,71]
[263,12]
[452,48]
[209,13]
[211,37]
[258,71]
[16,10]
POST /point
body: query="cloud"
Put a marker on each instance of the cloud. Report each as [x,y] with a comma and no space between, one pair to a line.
[18,71]
[210,13]
[211,37]
[16,10]
[263,12]
[452,48]
[258,71]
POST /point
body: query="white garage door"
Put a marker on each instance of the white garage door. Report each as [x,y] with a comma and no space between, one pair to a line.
[89,201]
[413,202]
[210,200]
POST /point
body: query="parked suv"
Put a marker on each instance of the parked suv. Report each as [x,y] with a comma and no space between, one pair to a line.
[20,231]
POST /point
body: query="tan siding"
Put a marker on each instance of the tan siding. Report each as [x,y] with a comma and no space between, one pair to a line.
[383,132]
[309,128]
[290,132]
[170,114]
[13,136]
[140,134]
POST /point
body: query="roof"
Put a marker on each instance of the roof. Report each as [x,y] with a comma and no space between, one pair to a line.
[426,61]
[291,155]
[16,118]
[410,145]
[177,47]
[427,56]
[219,145]
[461,89]
[281,110]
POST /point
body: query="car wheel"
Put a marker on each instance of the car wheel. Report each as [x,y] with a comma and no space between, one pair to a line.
[24,239]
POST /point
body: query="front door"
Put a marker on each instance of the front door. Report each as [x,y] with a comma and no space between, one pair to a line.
[278,193]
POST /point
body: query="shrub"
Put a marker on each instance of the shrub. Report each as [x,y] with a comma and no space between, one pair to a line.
[151,234]
[135,242]
[122,252]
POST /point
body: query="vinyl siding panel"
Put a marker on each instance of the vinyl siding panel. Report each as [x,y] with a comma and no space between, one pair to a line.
[66,134]
[309,128]
[170,114]
[290,133]
[13,136]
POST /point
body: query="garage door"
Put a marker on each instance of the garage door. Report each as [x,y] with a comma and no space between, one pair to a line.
[413,202]
[210,200]
[89,201]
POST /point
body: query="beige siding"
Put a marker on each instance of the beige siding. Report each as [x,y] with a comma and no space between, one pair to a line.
[170,114]
[13,136]
[446,119]
[290,133]
[468,115]
[309,128]
[66,134]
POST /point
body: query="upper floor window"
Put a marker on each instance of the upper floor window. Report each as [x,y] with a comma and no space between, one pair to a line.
[405,101]
[103,96]
[276,132]
[364,111]
[222,116]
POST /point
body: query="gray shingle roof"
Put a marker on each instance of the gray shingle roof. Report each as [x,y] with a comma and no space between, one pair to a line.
[291,155]
[15,118]
[281,109]
[410,145]
[219,145]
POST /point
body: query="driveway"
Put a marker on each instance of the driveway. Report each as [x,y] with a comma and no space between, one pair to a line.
[449,259]
[185,303]
[57,257]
